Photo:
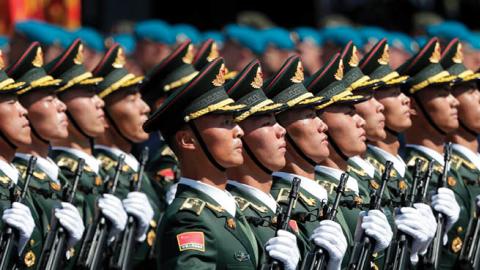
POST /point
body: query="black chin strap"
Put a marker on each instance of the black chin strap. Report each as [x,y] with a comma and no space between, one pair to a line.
[117,129]
[205,148]
[391,131]
[10,143]
[299,151]
[428,117]
[36,134]
[336,148]
[91,140]
[255,159]
[467,129]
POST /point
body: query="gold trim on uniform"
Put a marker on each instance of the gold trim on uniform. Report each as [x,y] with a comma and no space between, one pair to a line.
[55,186]
[151,235]
[29,258]
[451,181]
[231,223]
[457,244]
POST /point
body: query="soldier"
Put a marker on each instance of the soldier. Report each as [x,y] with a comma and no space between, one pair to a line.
[434,117]
[465,148]
[14,131]
[309,45]
[85,122]
[242,45]
[346,138]
[125,113]
[48,121]
[94,45]
[278,46]
[305,148]
[203,227]
[264,146]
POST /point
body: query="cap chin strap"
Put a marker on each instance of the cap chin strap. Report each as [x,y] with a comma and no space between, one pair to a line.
[36,134]
[428,117]
[255,159]
[91,140]
[391,131]
[299,151]
[467,129]
[205,148]
[117,129]
[8,141]
[336,148]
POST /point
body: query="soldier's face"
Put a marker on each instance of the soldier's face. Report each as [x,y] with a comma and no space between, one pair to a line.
[372,111]
[87,110]
[346,128]
[442,107]
[308,132]
[47,114]
[222,137]
[396,108]
[13,120]
[266,138]
[469,109]
[129,112]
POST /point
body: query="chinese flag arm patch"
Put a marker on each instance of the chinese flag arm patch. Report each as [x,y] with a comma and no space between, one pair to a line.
[191,241]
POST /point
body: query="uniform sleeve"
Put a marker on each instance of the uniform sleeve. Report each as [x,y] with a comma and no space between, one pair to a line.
[186,243]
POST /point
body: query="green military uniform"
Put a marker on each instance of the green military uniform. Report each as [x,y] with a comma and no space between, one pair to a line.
[462,196]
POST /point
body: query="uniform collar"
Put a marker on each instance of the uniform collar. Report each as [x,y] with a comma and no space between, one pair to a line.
[427,151]
[265,198]
[9,170]
[366,167]
[90,160]
[130,160]
[222,197]
[307,184]
[469,154]
[46,165]
[398,162]
[352,183]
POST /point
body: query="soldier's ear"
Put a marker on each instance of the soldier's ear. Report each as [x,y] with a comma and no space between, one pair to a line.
[185,139]
[413,107]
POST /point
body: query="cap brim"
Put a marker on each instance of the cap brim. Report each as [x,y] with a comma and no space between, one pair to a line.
[267,107]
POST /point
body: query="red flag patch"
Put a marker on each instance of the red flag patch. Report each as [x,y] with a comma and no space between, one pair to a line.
[293,225]
[191,241]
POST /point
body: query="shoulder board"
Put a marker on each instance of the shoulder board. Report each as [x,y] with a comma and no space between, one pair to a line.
[413,159]
[194,205]
[68,163]
[5,180]
[22,169]
[308,201]
[327,185]
[242,203]
[283,195]
[107,162]
[356,171]
[375,163]
[458,161]
[216,208]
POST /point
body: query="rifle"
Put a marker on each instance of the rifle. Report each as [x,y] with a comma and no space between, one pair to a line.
[283,218]
[363,250]
[8,237]
[317,258]
[396,258]
[56,243]
[469,255]
[124,250]
[431,259]
[91,252]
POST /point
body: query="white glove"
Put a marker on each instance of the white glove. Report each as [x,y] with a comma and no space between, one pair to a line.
[478,201]
[445,203]
[137,205]
[70,219]
[374,223]
[170,195]
[430,224]
[283,247]
[20,218]
[112,209]
[410,222]
[329,236]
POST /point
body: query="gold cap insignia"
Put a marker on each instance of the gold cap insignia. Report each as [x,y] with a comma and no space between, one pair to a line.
[339,74]
[220,78]
[385,59]
[231,223]
[120,59]
[188,58]
[456,244]
[38,60]
[29,258]
[451,181]
[458,57]
[79,57]
[2,63]
[213,53]
[298,77]
[258,80]
[436,55]
[354,59]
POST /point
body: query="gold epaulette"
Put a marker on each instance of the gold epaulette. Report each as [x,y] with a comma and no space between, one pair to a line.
[380,167]
[5,180]
[244,204]
[68,163]
[283,196]
[194,205]
[327,185]
[108,163]
[216,208]
[413,159]
[308,201]
[357,171]
[458,161]
[22,169]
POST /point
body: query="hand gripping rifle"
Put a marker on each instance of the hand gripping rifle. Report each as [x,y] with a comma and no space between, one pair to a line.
[431,259]
[9,235]
[317,259]
[283,218]
[125,248]
[363,250]
[93,247]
